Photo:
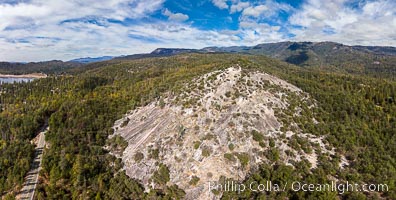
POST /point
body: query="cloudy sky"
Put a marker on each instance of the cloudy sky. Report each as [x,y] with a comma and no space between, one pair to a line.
[36,30]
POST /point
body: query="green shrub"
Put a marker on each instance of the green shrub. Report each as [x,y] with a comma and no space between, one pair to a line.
[231,146]
[243,159]
[262,144]
[273,154]
[194,180]
[161,176]
[229,157]
[272,142]
[138,156]
[154,154]
[197,144]
[257,136]
[162,103]
[206,152]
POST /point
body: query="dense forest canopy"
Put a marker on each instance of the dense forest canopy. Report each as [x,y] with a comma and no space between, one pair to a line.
[49,67]
[356,114]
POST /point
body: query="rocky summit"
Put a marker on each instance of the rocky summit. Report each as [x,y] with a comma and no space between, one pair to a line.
[220,125]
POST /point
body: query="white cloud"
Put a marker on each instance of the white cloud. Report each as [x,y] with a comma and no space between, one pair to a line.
[239,6]
[175,16]
[73,39]
[36,29]
[374,23]
[65,30]
[222,4]
[19,14]
[254,26]
[254,32]
[51,29]
[255,11]
[52,11]
[266,9]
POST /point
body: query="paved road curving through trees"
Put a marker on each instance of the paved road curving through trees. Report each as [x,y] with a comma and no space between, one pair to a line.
[31,179]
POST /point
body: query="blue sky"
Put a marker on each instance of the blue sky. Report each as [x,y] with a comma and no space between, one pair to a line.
[36,30]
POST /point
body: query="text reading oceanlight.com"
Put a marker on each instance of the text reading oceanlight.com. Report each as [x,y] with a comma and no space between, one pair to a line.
[268,186]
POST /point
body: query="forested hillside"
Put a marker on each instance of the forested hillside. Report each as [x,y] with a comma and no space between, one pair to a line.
[375,61]
[330,56]
[49,67]
[356,113]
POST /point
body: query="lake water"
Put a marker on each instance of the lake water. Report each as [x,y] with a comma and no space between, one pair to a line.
[15,80]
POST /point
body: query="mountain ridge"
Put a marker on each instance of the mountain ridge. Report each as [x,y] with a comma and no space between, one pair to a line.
[378,61]
[91,60]
[330,56]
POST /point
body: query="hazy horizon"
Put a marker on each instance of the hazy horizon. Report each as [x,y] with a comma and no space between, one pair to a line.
[114,56]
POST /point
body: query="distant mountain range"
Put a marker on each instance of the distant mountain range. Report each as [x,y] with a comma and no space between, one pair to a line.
[326,55]
[91,60]
[299,53]
[160,52]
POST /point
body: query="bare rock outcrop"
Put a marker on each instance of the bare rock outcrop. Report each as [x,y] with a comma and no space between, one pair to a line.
[223,123]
